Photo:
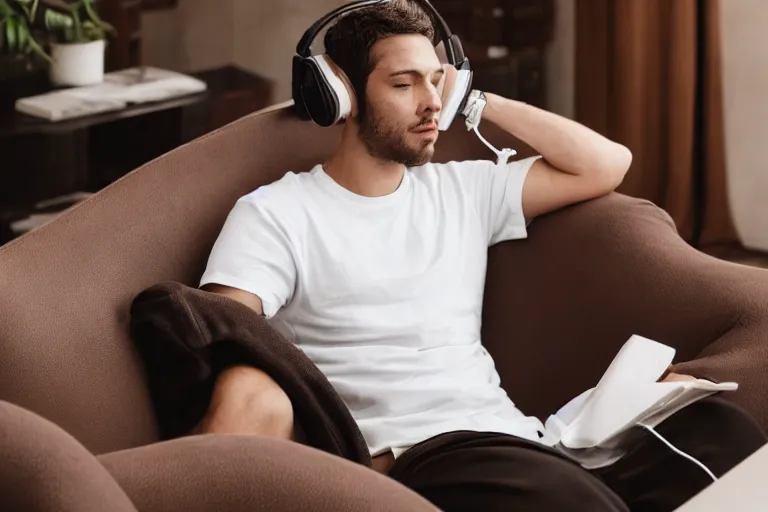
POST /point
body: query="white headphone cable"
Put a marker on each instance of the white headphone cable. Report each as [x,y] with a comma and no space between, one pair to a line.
[679,452]
[503,155]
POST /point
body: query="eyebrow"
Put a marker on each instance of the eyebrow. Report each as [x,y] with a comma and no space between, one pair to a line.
[415,72]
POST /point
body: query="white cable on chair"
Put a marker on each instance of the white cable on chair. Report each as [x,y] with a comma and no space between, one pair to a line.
[679,452]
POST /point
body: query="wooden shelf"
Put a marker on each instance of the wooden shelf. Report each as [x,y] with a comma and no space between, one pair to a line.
[519,30]
[156,5]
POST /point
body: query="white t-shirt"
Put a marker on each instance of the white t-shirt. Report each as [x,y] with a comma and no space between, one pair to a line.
[385,294]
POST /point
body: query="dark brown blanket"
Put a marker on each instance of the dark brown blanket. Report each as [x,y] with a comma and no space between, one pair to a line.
[186,336]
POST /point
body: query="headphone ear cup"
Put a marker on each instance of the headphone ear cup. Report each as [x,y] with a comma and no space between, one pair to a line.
[297,81]
[322,93]
[337,85]
[315,93]
[457,100]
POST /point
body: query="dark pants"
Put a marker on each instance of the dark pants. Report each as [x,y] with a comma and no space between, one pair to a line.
[488,472]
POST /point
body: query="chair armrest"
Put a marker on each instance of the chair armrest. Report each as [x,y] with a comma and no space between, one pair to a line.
[44,469]
[252,474]
[560,304]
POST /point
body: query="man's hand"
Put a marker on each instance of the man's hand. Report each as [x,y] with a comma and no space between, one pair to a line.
[677,377]
[473,110]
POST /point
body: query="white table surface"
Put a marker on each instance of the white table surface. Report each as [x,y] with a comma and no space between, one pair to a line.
[743,489]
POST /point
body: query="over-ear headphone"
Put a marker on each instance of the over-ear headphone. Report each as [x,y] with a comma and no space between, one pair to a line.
[320,95]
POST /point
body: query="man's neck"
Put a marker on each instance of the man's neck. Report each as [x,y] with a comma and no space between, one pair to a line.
[355,169]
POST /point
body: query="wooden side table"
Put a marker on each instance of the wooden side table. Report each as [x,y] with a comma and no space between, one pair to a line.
[41,160]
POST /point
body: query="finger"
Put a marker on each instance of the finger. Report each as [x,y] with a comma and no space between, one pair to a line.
[676,377]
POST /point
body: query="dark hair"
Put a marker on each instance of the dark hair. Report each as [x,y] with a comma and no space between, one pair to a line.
[349,41]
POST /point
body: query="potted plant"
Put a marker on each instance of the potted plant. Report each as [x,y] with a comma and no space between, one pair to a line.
[77,51]
[20,52]
[73,30]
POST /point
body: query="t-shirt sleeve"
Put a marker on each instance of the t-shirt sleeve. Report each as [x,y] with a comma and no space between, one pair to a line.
[497,192]
[252,253]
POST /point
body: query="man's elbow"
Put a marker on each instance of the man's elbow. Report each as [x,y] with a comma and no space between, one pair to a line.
[614,168]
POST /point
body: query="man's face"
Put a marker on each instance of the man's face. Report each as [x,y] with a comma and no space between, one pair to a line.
[399,122]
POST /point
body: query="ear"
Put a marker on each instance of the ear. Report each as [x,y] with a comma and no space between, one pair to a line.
[347,84]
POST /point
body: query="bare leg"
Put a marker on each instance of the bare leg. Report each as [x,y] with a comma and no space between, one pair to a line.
[247,401]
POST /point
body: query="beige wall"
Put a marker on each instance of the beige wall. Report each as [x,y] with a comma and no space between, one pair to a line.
[266,33]
[259,36]
[198,34]
[745,59]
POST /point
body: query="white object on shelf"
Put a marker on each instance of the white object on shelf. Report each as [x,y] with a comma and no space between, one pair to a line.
[77,64]
[38,219]
[34,221]
[117,91]
[66,199]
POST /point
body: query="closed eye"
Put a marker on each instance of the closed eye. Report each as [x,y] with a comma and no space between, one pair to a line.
[402,86]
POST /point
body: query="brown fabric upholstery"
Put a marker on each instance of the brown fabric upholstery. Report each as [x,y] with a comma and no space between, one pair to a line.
[251,474]
[558,305]
[65,289]
[44,469]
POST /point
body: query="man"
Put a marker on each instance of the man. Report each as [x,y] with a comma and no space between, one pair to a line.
[374,265]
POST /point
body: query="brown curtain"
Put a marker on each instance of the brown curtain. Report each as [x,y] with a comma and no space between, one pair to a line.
[648,75]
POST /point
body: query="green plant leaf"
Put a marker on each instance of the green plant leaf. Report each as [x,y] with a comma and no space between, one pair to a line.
[92,31]
[5,9]
[77,27]
[10,34]
[55,20]
[22,36]
[36,48]
[94,16]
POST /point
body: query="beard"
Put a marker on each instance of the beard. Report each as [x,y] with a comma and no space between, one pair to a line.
[386,141]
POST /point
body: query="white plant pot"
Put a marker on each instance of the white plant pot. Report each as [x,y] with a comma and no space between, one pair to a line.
[77,64]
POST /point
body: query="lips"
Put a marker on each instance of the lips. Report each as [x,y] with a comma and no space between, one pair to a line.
[430,127]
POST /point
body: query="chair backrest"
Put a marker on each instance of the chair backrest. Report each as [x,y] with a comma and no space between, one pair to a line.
[65,288]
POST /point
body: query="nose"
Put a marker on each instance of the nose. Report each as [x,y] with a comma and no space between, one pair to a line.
[431,102]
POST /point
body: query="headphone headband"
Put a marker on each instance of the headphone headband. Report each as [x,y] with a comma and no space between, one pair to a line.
[453,50]
[319,94]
